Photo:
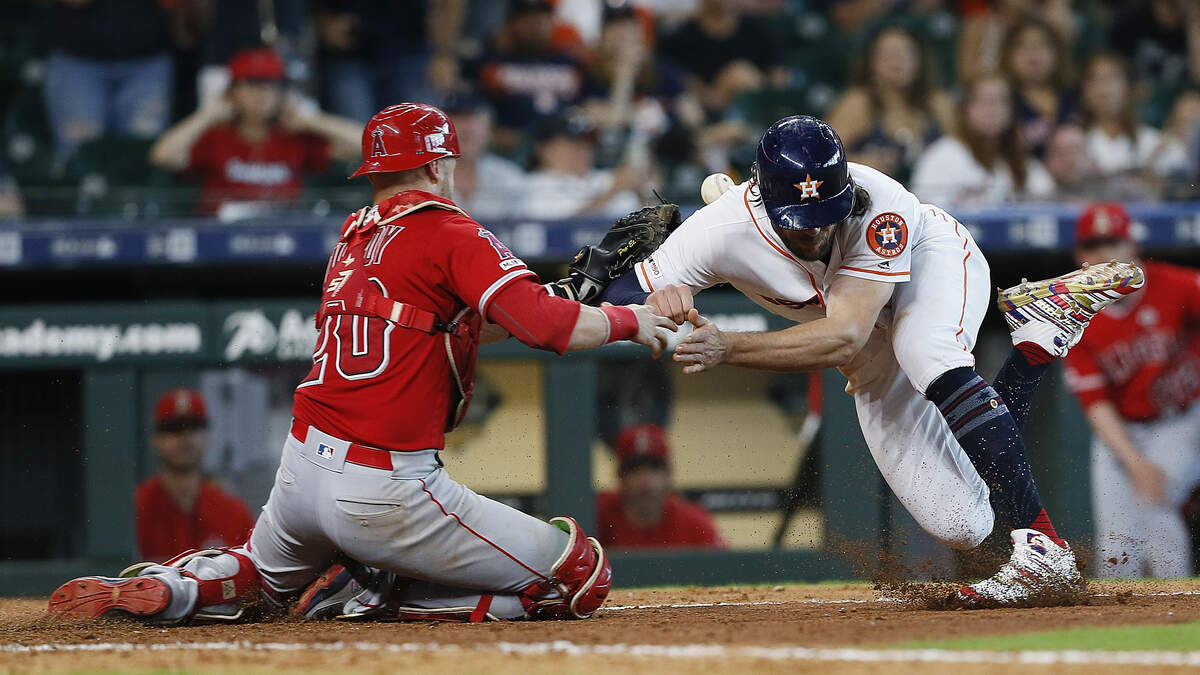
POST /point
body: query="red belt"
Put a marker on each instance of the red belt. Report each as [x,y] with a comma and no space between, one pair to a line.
[362,455]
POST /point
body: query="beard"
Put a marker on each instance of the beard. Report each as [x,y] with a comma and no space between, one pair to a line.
[811,244]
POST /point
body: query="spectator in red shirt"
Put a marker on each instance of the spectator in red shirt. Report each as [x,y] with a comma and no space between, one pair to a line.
[256,143]
[178,508]
[1136,373]
[644,513]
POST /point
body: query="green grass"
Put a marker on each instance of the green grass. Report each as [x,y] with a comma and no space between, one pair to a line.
[1172,637]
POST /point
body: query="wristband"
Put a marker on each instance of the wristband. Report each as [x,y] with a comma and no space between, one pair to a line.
[622,323]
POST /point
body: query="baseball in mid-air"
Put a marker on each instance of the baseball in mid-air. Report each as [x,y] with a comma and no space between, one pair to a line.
[714,186]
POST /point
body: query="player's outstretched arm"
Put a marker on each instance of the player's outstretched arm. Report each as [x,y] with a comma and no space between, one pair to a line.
[527,311]
[637,323]
[853,305]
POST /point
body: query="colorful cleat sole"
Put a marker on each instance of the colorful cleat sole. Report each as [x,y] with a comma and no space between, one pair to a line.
[317,599]
[93,597]
[1094,287]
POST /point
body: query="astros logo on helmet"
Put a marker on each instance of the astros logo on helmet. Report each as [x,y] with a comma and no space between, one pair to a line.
[887,235]
[808,187]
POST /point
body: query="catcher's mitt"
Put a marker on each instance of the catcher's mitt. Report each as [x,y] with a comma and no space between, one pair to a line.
[632,239]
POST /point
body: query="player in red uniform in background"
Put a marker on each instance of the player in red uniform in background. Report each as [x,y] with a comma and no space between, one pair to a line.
[1137,375]
[178,508]
[644,513]
[411,288]
[256,143]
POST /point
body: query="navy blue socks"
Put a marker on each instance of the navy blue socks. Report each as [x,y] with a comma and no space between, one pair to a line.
[1019,377]
[991,436]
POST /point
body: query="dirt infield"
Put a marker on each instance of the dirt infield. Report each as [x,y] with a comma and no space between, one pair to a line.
[763,629]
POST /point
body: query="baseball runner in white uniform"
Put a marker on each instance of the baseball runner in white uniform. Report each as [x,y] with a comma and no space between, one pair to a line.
[892,292]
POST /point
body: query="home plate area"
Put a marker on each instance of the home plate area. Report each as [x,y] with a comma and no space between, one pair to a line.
[823,628]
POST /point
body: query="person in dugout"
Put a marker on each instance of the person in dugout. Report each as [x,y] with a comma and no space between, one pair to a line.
[178,507]
[644,512]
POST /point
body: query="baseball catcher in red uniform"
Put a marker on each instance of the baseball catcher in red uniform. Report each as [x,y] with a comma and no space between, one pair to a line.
[412,287]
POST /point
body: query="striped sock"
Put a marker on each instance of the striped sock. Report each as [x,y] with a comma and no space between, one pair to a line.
[980,420]
[1042,524]
[1019,378]
[1034,353]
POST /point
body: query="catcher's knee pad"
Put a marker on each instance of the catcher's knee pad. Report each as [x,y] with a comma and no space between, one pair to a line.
[579,580]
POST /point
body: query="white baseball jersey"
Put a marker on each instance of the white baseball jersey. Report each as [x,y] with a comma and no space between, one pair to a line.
[942,285]
[732,241]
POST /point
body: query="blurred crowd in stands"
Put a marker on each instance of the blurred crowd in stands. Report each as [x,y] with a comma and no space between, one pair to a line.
[152,108]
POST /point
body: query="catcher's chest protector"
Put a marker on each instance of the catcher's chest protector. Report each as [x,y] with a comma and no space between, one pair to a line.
[348,290]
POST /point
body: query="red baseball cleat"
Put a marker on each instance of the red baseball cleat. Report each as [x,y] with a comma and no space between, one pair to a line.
[93,597]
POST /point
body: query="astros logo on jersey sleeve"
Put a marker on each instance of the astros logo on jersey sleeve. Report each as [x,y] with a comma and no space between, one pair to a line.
[887,235]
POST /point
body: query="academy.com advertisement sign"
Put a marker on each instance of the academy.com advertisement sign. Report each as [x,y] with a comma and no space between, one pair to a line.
[98,342]
[193,332]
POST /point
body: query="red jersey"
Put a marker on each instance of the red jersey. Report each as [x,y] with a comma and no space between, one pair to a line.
[374,382]
[235,169]
[683,525]
[163,530]
[1143,353]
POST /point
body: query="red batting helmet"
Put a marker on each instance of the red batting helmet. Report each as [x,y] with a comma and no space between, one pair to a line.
[406,136]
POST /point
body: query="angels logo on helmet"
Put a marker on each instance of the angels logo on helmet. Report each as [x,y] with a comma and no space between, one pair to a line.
[377,149]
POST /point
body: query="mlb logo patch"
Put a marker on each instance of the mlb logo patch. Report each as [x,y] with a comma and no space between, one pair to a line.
[325,451]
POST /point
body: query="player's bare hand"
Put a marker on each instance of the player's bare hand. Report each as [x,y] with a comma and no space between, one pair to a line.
[704,348]
[673,302]
[1148,480]
[653,330]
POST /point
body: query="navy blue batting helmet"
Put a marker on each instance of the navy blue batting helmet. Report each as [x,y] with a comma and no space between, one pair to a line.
[802,175]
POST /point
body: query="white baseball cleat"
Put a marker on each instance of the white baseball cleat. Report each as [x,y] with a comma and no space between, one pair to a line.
[1054,312]
[1039,572]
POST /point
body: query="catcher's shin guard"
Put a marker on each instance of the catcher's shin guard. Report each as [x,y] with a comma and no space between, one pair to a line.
[579,581]
[224,591]
[226,583]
